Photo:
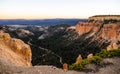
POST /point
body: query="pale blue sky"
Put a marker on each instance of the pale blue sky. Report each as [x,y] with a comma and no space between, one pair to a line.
[40,9]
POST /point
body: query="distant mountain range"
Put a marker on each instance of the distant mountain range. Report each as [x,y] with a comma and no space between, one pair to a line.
[42,22]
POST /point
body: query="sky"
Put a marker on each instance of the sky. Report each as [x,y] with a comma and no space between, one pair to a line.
[44,9]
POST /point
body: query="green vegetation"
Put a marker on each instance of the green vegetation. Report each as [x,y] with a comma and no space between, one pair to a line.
[81,65]
[104,53]
[97,59]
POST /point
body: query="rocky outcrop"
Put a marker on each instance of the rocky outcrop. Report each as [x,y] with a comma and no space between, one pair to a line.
[112,46]
[78,59]
[89,56]
[15,50]
[84,27]
[102,27]
[65,66]
[108,31]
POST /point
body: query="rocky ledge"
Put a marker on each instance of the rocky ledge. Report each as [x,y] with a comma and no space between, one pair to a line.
[104,17]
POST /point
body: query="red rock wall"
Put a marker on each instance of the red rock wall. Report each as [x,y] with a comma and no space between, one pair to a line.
[82,28]
[109,31]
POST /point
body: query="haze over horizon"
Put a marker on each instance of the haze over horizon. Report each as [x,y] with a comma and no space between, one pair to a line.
[46,9]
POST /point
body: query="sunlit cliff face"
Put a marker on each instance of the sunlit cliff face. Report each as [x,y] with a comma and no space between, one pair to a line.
[110,29]
[15,50]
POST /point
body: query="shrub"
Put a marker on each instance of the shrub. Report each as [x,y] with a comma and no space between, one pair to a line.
[97,59]
[104,53]
[81,64]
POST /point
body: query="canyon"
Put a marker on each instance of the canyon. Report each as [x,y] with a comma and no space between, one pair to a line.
[55,45]
[15,58]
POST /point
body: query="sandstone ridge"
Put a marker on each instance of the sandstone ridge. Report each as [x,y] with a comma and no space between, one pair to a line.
[102,27]
[14,50]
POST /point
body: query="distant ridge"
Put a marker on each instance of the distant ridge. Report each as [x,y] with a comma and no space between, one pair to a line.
[42,22]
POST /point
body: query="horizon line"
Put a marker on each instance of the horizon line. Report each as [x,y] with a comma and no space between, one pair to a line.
[37,18]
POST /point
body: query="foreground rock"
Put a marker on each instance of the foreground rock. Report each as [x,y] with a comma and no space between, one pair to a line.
[111,66]
[7,68]
[14,50]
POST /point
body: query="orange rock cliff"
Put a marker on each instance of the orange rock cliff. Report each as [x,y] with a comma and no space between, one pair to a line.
[14,50]
[109,31]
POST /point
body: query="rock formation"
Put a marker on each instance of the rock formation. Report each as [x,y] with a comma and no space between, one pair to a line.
[104,17]
[89,56]
[14,50]
[79,58]
[65,66]
[105,27]
[112,46]
[109,31]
